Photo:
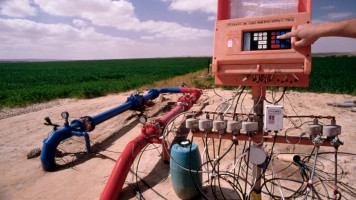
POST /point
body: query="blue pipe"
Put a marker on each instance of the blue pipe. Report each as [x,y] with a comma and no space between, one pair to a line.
[97,119]
[78,128]
[133,102]
[169,90]
[86,137]
[50,145]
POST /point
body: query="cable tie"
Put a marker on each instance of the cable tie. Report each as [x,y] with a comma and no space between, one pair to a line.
[216,160]
[308,189]
[311,116]
[249,138]
[212,177]
[233,113]
[255,114]
[305,183]
[334,196]
[310,182]
[329,117]
[335,187]
[240,114]
[320,117]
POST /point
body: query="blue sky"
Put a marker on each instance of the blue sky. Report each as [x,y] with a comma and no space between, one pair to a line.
[106,29]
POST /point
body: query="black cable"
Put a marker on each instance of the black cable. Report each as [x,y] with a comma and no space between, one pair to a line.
[217,163]
[248,160]
[238,99]
[284,91]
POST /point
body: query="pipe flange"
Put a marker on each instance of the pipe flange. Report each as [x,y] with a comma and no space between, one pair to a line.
[88,123]
[158,125]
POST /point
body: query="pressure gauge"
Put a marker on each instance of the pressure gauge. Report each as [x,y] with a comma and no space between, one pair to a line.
[65,115]
[143,119]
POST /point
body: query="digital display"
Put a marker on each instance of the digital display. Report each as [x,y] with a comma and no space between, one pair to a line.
[265,40]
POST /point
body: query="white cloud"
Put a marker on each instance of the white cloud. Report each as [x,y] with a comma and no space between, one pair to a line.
[21,38]
[339,15]
[317,21]
[208,6]
[212,18]
[24,39]
[334,44]
[80,23]
[162,29]
[327,7]
[17,8]
[147,38]
[119,14]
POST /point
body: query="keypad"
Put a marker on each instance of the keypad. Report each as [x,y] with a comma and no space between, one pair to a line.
[267,40]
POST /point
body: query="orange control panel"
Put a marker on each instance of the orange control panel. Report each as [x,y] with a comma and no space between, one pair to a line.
[247,51]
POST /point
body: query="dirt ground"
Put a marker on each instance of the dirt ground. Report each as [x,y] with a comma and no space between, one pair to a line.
[84,176]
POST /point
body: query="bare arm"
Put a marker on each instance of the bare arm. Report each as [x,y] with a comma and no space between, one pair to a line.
[308,33]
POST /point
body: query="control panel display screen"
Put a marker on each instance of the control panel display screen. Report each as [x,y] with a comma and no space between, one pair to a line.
[265,40]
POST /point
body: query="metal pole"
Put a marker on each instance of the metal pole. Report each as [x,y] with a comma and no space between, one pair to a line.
[258,95]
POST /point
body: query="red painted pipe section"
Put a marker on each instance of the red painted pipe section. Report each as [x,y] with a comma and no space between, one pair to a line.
[113,187]
[150,133]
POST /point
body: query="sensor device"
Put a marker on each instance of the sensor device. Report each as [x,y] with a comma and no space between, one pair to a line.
[247,51]
[273,119]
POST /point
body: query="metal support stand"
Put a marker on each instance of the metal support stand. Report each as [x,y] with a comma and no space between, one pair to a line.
[258,95]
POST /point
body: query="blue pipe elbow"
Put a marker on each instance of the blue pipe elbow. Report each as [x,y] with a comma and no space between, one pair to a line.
[50,145]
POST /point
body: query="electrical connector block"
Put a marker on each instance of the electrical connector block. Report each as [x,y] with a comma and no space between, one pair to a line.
[249,126]
[331,130]
[192,123]
[219,126]
[205,125]
[314,129]
[233,126]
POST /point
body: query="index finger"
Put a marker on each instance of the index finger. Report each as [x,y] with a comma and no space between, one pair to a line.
[287,35]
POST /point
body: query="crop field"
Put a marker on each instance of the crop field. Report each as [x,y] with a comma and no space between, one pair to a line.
[332,75]
[31,82]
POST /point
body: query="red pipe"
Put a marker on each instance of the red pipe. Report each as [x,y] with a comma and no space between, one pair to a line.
[150,133]
[117,178]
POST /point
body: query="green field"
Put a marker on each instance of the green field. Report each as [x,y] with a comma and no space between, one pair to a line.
[31,82]
[332,75]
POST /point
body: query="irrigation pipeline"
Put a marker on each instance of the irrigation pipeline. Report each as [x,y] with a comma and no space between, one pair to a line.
[304,177]
[150,133]
[81,127]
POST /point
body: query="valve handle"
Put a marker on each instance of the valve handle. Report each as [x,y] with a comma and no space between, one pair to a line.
[48,120]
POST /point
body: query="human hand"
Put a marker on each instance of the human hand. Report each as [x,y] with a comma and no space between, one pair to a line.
[306,34]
